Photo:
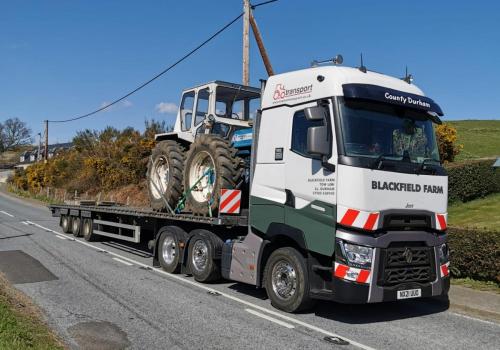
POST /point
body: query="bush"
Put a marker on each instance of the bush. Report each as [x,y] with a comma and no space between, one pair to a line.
[446,140]
[472,179]
[475,254]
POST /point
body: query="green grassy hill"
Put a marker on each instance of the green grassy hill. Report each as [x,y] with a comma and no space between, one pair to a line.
[481,138]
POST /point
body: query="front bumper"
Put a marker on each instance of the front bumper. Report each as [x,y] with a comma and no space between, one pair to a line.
[353,292]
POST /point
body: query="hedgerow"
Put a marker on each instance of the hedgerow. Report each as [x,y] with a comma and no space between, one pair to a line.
[472,179]
[474,253]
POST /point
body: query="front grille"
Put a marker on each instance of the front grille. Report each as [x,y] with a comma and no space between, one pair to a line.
[406,264]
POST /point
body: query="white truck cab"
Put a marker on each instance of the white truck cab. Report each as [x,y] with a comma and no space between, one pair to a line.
[347,170]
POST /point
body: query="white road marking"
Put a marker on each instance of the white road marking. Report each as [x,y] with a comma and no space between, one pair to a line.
[123,261]
[24,223]
[60,237]
[238,300]
[269,318]
[4,212]
[475,319]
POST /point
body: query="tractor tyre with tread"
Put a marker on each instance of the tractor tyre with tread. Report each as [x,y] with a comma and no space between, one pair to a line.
[164,175]
[209,151]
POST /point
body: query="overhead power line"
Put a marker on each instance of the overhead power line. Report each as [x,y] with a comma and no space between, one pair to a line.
[157,75]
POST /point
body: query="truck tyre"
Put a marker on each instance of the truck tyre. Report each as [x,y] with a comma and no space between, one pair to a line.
[66,223]
[88,230]
[287,280]
[76,226]
[203,246]
[210,152]
[169,251]
[164,175]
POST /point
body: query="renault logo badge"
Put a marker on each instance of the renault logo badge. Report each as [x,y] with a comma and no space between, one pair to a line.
[408,255]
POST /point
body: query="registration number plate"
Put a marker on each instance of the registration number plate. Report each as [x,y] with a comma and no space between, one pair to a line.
[409,293]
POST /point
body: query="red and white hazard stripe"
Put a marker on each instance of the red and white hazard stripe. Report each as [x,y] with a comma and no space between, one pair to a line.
[445,271]
[441,221]
[351,273]
[230,201]
[357,218]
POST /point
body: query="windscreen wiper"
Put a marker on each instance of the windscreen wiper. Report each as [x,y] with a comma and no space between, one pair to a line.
[424,163]
[378,161]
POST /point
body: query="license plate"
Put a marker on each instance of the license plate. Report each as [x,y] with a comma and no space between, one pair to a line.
[409,293]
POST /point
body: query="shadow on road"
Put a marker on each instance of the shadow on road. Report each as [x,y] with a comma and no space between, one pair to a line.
[380,312]
[365,313]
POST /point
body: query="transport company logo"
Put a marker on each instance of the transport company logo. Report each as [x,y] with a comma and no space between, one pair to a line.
[282,93]
[406,187]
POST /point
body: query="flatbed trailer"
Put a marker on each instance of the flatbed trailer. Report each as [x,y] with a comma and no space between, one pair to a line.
[136,225]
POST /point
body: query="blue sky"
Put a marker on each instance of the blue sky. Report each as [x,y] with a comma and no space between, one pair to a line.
[59,59]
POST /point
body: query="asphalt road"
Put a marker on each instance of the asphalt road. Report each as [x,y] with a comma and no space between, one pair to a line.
[105,295]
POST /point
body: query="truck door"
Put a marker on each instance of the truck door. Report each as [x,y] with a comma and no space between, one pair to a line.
[310,188]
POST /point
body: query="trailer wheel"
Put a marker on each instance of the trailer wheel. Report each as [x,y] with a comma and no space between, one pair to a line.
[287,280]
[169,253]
[88,230]
[207,153]
[201,256]
[75,226]
[164,175]
[66,223]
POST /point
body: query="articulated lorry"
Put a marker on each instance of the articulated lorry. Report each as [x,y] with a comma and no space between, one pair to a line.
[325,183]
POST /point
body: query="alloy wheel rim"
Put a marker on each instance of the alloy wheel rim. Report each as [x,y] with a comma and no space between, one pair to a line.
[169,249]
[200,255]
[284,280]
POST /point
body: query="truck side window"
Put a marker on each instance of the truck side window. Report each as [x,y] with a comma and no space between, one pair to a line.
[299,133]
[187,110]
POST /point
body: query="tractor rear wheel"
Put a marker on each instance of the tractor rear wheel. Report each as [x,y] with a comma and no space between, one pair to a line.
[211,165]
[164,176]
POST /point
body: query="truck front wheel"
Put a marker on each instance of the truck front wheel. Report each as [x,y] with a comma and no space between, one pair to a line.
[287,280]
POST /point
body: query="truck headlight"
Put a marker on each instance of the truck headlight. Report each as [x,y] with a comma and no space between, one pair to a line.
[444,253]
[358,255]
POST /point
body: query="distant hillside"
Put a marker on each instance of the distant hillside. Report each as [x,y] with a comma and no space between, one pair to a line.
[481,138]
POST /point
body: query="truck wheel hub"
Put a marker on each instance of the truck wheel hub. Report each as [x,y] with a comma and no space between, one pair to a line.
[200,255]
[169,250]
[284,280]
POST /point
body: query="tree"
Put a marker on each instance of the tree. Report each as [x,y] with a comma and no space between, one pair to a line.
[14,133]
[447,142]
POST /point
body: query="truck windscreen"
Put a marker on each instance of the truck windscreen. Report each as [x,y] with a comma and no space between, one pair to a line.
[394,133]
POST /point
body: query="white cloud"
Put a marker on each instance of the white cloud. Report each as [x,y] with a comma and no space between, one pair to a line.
[166,108]
[119,105]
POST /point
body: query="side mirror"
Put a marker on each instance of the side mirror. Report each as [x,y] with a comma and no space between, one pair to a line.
[316,113]
[317,141]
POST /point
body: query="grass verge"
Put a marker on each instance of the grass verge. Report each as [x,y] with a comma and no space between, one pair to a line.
[478,285]
[26,194]
[21,325]
[479,213]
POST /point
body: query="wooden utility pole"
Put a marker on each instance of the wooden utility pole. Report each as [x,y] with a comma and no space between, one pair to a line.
[260,44]
[46,141]
[246,44]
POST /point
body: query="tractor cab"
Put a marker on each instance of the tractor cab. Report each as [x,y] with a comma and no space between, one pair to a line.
[217,108]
